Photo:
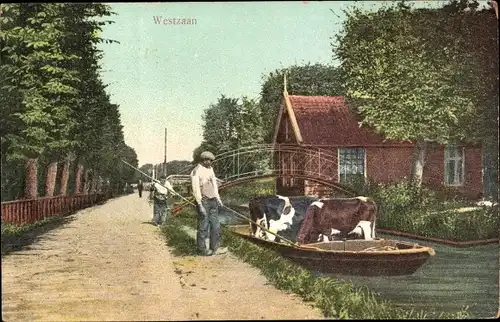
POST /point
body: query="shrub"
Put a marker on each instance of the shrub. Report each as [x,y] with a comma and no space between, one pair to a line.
[419,210]
[404,195]
[361,185]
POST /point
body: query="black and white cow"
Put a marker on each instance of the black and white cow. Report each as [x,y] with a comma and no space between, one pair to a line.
[279,214]
[327,219]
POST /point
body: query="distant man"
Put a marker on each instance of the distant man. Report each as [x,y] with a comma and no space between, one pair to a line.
[206,193]
[140,187]
[158,195]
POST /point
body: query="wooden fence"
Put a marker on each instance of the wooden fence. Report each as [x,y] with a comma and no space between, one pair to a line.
[22,212]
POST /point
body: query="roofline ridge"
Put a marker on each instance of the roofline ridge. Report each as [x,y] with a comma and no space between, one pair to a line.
[311,96]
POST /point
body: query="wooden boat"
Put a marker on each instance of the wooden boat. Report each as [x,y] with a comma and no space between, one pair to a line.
[350,257]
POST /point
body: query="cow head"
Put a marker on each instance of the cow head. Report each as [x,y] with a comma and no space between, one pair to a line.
[278,214]
[285,219]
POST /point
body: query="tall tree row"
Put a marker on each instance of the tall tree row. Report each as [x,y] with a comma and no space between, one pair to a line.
[56,115]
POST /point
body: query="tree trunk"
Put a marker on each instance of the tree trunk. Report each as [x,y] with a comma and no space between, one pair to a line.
[63,190]
[93,184]
[50,179]
[31,183]
[99,187]
[419,155]
[78,179]
[86,183]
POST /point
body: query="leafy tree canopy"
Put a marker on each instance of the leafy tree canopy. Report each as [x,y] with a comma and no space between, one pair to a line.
[412,74]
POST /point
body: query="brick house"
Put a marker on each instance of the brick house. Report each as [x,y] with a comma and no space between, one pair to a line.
[326,124]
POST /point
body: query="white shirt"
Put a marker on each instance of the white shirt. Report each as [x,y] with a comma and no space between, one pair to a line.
[163,189]
[204,183]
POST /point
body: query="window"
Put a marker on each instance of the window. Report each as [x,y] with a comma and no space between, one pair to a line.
[453,165]
[351,163]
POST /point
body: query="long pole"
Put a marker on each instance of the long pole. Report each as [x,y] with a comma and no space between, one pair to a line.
[165,155]
[234,212]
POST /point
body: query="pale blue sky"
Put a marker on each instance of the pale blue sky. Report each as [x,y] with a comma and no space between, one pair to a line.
[166,75]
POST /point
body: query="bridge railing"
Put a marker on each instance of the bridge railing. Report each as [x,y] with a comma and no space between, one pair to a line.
[297,174]
[28,211]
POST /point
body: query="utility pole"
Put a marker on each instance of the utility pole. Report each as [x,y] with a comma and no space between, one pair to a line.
[165,155]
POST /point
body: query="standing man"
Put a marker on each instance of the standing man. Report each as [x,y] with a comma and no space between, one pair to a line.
[158,195]
[208,201]
[140,187]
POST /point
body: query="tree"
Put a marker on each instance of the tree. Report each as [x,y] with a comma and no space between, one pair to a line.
[178,167]
[219,128]
[30,37]
[228,126]
[476,32]
[54,104]
[249,126]
[316,79]
[80,40]
[405,74]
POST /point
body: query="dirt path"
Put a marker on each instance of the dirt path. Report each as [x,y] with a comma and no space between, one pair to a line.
[108,263]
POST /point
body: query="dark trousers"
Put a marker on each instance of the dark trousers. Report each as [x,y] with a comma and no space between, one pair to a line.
[140,193]
[206,221]
[160,211]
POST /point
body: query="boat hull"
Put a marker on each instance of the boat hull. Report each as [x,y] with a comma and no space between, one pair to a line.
[330,258]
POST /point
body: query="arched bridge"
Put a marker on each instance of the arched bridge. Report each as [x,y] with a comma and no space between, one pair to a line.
[298,170]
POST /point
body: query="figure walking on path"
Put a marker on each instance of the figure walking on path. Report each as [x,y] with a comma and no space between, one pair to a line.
[206,193]
[140,187]
[158,195]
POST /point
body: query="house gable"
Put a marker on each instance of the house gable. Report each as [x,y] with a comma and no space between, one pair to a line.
[287,110]
[285,133]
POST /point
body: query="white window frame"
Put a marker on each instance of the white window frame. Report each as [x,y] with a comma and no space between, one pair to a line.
[459,165]
[339,175]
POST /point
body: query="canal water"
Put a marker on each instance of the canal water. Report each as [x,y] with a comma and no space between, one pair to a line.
[453,278]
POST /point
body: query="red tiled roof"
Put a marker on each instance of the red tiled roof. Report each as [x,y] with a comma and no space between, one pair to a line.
[326,120]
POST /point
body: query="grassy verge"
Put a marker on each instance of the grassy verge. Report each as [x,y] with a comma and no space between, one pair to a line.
[181,243]
[335,299]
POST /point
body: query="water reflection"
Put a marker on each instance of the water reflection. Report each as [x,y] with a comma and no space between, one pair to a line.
[454,278]
[226,217]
